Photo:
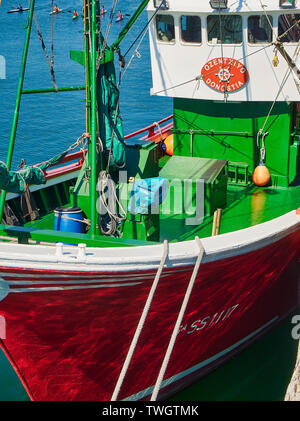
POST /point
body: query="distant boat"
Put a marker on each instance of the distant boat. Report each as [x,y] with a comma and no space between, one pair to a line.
[55,12]
[18,10]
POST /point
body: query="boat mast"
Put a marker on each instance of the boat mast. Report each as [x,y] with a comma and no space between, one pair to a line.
[87,63]
[92,98]
[18,101]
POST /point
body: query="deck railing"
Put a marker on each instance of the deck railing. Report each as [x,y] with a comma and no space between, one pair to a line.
[152,131]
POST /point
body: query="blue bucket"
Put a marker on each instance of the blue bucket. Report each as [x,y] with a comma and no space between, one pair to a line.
[68,219]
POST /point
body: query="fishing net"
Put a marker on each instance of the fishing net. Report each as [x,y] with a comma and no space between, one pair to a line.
[17,181]
[110,123]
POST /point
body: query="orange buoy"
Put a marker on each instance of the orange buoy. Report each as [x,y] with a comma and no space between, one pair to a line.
[167,145]
[261,175]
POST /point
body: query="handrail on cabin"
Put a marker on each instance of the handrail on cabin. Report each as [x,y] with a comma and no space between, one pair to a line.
[149,128]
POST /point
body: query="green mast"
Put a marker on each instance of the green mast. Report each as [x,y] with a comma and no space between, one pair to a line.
[93,135]
[18,101]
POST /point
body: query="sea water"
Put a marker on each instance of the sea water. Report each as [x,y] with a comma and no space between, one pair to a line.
[50,123]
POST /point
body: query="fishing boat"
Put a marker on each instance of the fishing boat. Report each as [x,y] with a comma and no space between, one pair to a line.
[137,264]
[18,10]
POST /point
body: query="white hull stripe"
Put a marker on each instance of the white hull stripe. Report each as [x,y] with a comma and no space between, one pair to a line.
[81,282]
[83,276]
[167,382]
[63,288]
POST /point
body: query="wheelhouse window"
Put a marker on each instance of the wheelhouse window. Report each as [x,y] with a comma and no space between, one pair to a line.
[165,28]
[224,29]
[260,29]
[190,28]
[289,28]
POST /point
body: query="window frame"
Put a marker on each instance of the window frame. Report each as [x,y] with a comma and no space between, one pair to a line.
[278,17]
[173,42]
[210,43]
[272,32]
[180,30]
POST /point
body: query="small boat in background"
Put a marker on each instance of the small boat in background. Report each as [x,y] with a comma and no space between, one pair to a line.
[22,9]
[55,12]
[119,17]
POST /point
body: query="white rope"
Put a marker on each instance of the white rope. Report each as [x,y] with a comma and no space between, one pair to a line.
[135,53]
[82,221]
[285,78]
[268,19]
[108,28]
[178,322]
[141,324]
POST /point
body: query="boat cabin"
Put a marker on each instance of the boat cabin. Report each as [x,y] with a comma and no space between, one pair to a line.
[231,67]
[202,51]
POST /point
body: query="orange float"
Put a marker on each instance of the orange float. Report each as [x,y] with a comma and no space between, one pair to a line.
[261,175]
[168,145]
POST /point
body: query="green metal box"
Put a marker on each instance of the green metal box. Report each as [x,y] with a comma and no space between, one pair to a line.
[196,185]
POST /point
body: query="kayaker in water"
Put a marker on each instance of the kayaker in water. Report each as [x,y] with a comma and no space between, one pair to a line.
[102,11]
[19,7]
[120,16]
[55,9]
[75,14]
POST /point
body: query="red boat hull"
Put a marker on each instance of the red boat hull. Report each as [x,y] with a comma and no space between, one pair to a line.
[71,344]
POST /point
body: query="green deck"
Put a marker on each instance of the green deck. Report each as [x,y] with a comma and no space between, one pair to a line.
[246,206]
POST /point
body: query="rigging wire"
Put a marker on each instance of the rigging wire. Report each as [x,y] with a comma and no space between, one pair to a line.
[199,77]
[268,18]
[222,55]
[52,35]
[50,63]
[107,32]
[285,78]
[121,74]
[144,28]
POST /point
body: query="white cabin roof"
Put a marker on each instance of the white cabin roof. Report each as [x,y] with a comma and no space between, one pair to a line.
[241,6]
[183,69]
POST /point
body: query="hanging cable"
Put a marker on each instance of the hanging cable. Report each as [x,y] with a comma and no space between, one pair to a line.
[46,55]
[268,19]
[144,28]
[52,44]
[199,77]
[108,28]
[222,55]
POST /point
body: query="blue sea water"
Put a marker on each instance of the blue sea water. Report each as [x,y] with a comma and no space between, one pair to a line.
[50,123]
